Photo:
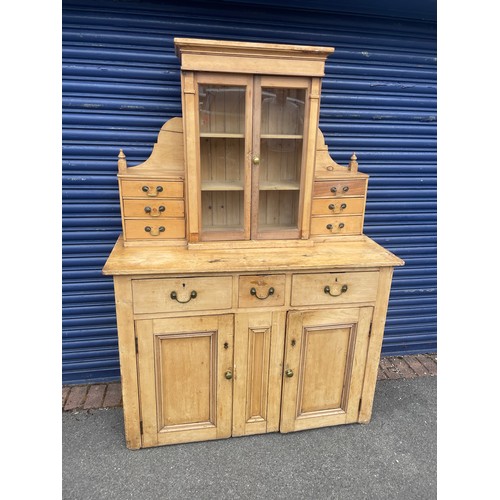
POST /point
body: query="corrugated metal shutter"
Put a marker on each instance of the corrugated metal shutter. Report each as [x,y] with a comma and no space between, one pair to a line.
[121,82]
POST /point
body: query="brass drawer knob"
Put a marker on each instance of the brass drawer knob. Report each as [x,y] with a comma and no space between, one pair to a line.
[151,192]
[331,206]
[154,212]
[289,373]
[329,226]
[228,374]
[154,231]
[343,206]
[333,189]
[327,290]
[341,225]
[253,292]
[255,160]
[192,295]
[345,189]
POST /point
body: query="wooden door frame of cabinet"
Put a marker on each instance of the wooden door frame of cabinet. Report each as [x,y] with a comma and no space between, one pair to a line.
[255,173]
[191,155]
[310,161]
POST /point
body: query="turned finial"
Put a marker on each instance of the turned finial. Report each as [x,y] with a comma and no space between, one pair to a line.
[122,161]
[353,164]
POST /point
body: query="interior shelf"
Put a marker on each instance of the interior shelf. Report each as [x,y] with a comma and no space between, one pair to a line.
[280,136]
[221,186]
[221,135]
[279,186]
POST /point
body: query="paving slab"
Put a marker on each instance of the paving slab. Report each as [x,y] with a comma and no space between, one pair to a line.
[391,458]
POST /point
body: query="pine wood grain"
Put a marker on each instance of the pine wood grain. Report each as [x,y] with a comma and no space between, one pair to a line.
[363,253]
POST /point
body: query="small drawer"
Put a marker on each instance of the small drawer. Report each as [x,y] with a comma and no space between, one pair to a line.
[337,225]
[161,229]
[152,189]
[164,295]
[153,208]
[337,188]
[334,288]
[344,206]
[261,290]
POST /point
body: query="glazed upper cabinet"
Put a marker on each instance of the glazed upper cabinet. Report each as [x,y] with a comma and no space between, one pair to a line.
[250,140]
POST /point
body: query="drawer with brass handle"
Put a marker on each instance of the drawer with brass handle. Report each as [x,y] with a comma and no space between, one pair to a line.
[345,206]
[161,229]
[153,208]
[152,189]
[163,295]
[334,288]
[337,225]
[338,188]
[261,290]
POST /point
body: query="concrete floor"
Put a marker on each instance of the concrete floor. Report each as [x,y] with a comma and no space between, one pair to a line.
[393,457]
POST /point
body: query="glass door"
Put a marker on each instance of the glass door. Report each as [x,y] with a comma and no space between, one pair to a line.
[278,156]
[251,156]
[225,135]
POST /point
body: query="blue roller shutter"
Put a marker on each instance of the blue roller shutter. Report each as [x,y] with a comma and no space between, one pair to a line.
[121,82]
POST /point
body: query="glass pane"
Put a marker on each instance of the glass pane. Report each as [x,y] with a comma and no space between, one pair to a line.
[278,210]
[281,144]
[222,109]
[222,163]
[280,163]
[222,156]
[222,210]
[282,111]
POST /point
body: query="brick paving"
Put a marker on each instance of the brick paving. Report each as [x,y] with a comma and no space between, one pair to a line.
[95,397]
[108,395]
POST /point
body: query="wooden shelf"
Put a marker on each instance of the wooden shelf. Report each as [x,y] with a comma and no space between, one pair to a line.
[222,228]
[277,227]
[221,135]
[222,186]
[280,136]
[279,186]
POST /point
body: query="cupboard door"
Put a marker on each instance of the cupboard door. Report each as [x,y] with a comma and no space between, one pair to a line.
[224,128]
[185,378]
[250,146]
[279,155]
[325,355]
[258,362]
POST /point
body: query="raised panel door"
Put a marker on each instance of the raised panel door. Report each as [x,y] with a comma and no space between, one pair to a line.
[185,378]
[325,354]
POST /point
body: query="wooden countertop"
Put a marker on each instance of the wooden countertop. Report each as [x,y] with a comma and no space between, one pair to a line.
[362,253]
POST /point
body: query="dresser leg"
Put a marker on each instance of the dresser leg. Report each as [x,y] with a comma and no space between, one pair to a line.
[375,344]
[128,361]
